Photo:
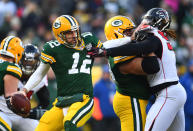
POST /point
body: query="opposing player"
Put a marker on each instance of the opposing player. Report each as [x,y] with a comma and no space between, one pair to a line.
[11,50]
[132,92]
[29,63]
[167,111]
[67,56]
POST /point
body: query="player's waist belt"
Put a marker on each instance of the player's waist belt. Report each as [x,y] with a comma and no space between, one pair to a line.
[158,88]
[64,101]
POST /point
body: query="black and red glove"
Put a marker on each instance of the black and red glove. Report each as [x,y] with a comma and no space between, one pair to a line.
[97,52]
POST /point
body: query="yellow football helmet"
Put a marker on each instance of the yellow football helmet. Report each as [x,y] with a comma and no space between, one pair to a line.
[116,26]
[63,25]
[12,46]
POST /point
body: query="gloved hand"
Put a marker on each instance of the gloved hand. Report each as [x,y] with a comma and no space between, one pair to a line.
[97,52]
[36,113]
[142,32]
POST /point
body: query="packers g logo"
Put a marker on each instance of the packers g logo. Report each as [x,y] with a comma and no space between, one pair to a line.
[57,24]
[117,23]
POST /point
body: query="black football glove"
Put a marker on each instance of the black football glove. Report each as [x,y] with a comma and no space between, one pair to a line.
[9,104]
[36,113]
[142,33]
[97,52]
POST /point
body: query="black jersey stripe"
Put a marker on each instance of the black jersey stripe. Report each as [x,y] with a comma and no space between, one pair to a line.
[134,114]
[140,116]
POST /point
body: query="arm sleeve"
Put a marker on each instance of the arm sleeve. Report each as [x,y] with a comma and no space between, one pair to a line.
[37,76]
[151,44]
[116,42]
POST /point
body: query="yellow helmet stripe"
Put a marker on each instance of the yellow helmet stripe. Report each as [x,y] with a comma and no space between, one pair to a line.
[7,41]
[122,58]
[48,57]
[15,70]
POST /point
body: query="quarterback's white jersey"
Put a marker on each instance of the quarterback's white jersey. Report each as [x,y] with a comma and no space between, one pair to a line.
[167,63]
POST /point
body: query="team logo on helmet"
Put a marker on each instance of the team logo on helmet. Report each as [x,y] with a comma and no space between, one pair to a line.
[57,24]
[162,13]
[117,23]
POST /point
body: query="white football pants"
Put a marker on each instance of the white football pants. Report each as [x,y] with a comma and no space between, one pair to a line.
[167,113]
[18,123]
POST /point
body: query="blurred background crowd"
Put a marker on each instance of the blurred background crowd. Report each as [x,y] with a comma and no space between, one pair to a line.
[32,20]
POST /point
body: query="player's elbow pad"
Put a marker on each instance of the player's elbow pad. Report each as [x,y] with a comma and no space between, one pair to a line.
[150,65]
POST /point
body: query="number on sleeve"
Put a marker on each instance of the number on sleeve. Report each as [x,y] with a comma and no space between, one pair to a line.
[53,44]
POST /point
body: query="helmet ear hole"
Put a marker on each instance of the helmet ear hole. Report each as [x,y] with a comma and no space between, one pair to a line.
[116,35]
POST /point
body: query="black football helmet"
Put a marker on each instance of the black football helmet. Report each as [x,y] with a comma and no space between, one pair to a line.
[158,17]
[30,59]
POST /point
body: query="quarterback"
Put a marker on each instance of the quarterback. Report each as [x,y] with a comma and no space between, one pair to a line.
[67,56]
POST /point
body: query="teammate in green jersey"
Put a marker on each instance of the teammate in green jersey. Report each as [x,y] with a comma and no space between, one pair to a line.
[10,54]
[67,56]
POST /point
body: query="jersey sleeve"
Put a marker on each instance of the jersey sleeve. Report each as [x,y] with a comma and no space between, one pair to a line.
[88,37]
[47,54]
[14,70]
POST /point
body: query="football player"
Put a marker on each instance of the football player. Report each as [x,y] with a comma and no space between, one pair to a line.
[29,63]
[129,72]
[11,50]
[67,56]
[167,111]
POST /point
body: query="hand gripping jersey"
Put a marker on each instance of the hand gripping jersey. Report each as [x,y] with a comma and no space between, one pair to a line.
[167,62]
[72,66]
[11,69]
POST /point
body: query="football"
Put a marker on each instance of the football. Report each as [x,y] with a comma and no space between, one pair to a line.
[21,104]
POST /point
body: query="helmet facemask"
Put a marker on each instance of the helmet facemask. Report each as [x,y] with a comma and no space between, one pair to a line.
[30,59]
[29,65]
[71,38]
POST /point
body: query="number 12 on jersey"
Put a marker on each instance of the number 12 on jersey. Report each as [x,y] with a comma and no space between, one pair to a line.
[83,69]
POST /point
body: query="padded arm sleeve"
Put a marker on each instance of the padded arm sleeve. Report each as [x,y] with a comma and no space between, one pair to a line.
[116,42]
[150,65]
[37,76]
